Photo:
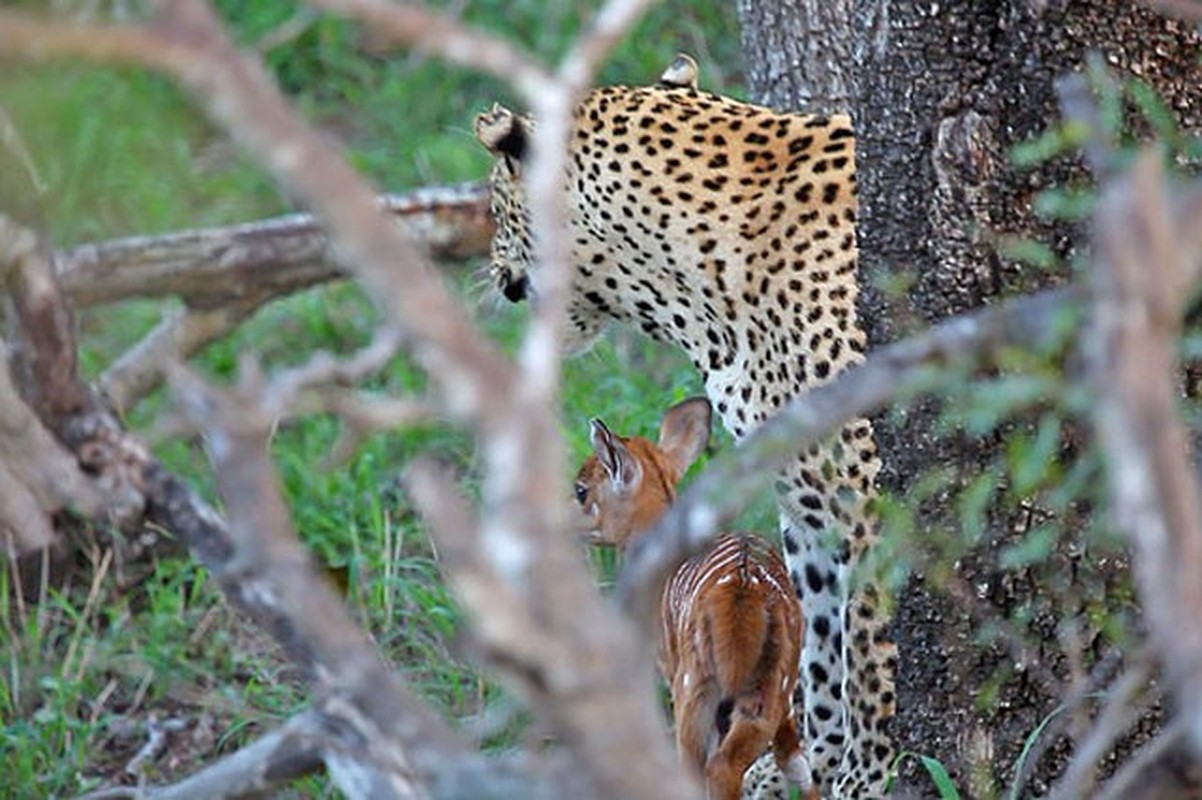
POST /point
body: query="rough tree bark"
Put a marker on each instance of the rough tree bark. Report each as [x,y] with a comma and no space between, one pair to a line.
[798,53]
[940,91]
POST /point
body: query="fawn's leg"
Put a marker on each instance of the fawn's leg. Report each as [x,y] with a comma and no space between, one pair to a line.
[789,757]
[747,738]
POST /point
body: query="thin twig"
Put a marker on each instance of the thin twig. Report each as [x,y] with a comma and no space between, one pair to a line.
[179,335]
[270,575]
[547,193]
[984,615]
[1123,784]
[324,369]
[276,758]
[1140,287]
[157,736]
[1073,703]
[1112,722]
[429,31]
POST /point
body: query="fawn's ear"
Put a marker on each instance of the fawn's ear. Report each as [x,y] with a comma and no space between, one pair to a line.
[504,134]
[623,468]
[685,431]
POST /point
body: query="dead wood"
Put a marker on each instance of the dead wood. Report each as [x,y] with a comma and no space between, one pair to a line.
[290,751]
[213,267]
[39,477]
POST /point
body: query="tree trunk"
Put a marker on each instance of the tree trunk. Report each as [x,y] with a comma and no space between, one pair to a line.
[940,92]
[798,53]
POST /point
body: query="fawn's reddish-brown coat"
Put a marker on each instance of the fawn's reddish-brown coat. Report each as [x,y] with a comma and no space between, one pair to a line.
[731,626]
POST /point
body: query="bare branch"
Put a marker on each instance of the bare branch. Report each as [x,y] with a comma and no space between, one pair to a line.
[1156,772]
[157,734]
[889,373]
[324,369]
[1111,722]
[24,518]
[38,477]
[363,414]
[371,412]
[499,616]
[414,26]
[1188,10]
[613,21]
[1140,285]
[212,267]
[318,386]
[269,574]
[286,753]
[571,656]
[547,195]
[180,334]
[46,351]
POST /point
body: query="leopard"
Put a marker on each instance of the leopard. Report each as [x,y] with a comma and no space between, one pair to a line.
[728,229]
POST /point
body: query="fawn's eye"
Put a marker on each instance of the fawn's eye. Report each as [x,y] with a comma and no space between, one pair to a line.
[581,493]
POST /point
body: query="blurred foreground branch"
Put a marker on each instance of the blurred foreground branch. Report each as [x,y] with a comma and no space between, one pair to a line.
[596,671]
[1147,235]
[890,374]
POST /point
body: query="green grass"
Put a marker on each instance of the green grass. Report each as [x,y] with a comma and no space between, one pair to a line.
[123,152]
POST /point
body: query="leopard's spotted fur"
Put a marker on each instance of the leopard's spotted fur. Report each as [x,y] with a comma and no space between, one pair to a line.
[729,229]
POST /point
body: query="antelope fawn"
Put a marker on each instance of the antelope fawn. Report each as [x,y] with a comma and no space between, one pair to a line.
[731,626]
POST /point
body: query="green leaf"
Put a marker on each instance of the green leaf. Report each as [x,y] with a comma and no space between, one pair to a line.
[1065,203]
[1110,95]
[1049,144]
[1033,458]
[989,403]
[1077,483]
[1035,547]
[939,776]
[943,781]
[973,502]
[1028,251]
[1191,148]
[1154,110]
